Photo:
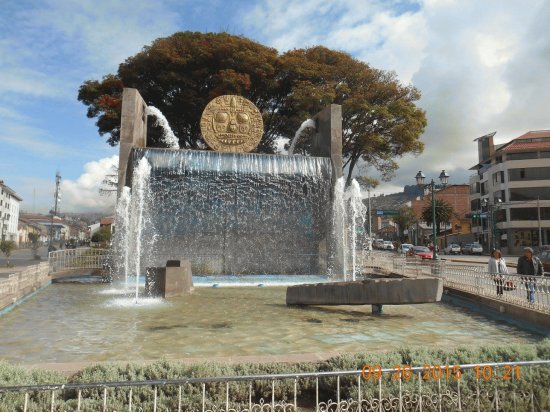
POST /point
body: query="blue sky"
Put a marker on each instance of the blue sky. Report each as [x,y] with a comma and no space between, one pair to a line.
[481,66]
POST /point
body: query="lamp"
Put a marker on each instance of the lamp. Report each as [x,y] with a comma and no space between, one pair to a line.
[420,178]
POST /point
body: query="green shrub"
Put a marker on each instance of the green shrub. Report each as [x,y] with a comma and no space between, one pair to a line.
[535,379]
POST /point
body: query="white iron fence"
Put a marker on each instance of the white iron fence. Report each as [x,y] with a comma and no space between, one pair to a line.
[527,291]
[518,386]
[81,258]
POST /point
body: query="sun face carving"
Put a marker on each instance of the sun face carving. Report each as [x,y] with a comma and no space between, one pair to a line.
[231,124]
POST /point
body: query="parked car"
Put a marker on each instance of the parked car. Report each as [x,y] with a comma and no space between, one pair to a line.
[477,249]
[404,248]
[388,245]
[378,243]
[421,251]
[466,249]
[453,249]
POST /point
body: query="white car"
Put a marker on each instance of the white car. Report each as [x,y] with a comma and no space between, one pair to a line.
[388,245]
[404,248]
[477,249]
[453,249]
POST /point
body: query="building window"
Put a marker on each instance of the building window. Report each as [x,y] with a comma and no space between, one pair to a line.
[474,188]
[529,213]
[498,177]
[529,173]
[529,193]
[544,155]
[483,188]
[475,204]
[522,156]
[499,196]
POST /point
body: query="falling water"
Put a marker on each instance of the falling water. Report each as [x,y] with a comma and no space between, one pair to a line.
[348,216]
[236,213]
[122,234]
[357,220]
[140,185]
[307,124]
[168,135]
[339,220]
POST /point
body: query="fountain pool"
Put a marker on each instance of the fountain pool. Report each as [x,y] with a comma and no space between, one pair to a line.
[89,323]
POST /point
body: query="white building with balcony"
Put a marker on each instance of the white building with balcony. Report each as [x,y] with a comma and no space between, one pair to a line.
[510,192]
[9,213]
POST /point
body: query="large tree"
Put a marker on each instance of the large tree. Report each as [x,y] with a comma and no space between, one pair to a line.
[181,73]
[405,220]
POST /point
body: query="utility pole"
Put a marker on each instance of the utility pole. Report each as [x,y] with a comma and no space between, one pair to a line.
[370,221]
[54,210]
[538,218]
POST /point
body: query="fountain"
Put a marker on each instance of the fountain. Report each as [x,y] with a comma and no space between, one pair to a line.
[229,212]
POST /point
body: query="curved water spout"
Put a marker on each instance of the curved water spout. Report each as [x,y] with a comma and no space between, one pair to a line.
[167,134]
[307,124]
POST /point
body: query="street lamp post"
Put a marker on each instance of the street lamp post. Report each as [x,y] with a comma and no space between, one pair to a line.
[491,223]
[444,178]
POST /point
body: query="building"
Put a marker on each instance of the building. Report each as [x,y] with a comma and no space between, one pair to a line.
[458,230]
[9,213]
[510,192]
[60,229]
[27,227]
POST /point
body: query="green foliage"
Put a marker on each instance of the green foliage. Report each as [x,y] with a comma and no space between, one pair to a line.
[405,219]
[367,182]
[531,379]
[34,238]
[6,247]
[181,73]
[102,235]
[443,213]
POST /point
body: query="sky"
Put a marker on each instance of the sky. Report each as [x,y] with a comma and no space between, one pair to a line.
[481,66]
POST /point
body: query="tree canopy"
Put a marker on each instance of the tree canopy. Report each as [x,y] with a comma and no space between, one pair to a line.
[405,219]
[443,213]
[181,73]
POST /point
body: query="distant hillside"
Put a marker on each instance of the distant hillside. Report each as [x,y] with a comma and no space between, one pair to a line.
[395,200]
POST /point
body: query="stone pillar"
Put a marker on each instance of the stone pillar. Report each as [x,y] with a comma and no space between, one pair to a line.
[327,142]
[173,280]
[133,130]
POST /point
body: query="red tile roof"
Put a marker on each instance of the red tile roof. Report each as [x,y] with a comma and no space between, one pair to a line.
[106,221]
[534,134]
[526,146]
[525,142]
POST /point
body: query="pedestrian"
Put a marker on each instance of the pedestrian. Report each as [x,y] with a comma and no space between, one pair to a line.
[497,268]
[530,267]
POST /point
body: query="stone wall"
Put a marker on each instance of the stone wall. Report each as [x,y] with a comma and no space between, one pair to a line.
[19,284]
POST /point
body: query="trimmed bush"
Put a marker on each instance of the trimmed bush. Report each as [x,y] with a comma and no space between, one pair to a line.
[535,379]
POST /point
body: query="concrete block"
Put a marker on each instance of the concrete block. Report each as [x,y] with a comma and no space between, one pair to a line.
[173,280]
[367,292]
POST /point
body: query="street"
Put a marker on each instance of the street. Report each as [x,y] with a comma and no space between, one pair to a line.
[24,257]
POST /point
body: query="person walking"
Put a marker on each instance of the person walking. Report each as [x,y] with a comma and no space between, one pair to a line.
[497,268]
[530,267]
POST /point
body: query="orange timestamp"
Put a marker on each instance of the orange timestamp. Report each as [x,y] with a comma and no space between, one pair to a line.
[437,372]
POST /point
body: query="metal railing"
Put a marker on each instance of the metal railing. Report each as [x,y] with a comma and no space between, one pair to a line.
[527,291]
[470,387]
[80,258]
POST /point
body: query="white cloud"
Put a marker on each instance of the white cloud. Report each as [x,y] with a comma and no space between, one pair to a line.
[82,194]
[481,66]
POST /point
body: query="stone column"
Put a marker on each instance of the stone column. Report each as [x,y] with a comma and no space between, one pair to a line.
[327,142]
[133,130]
